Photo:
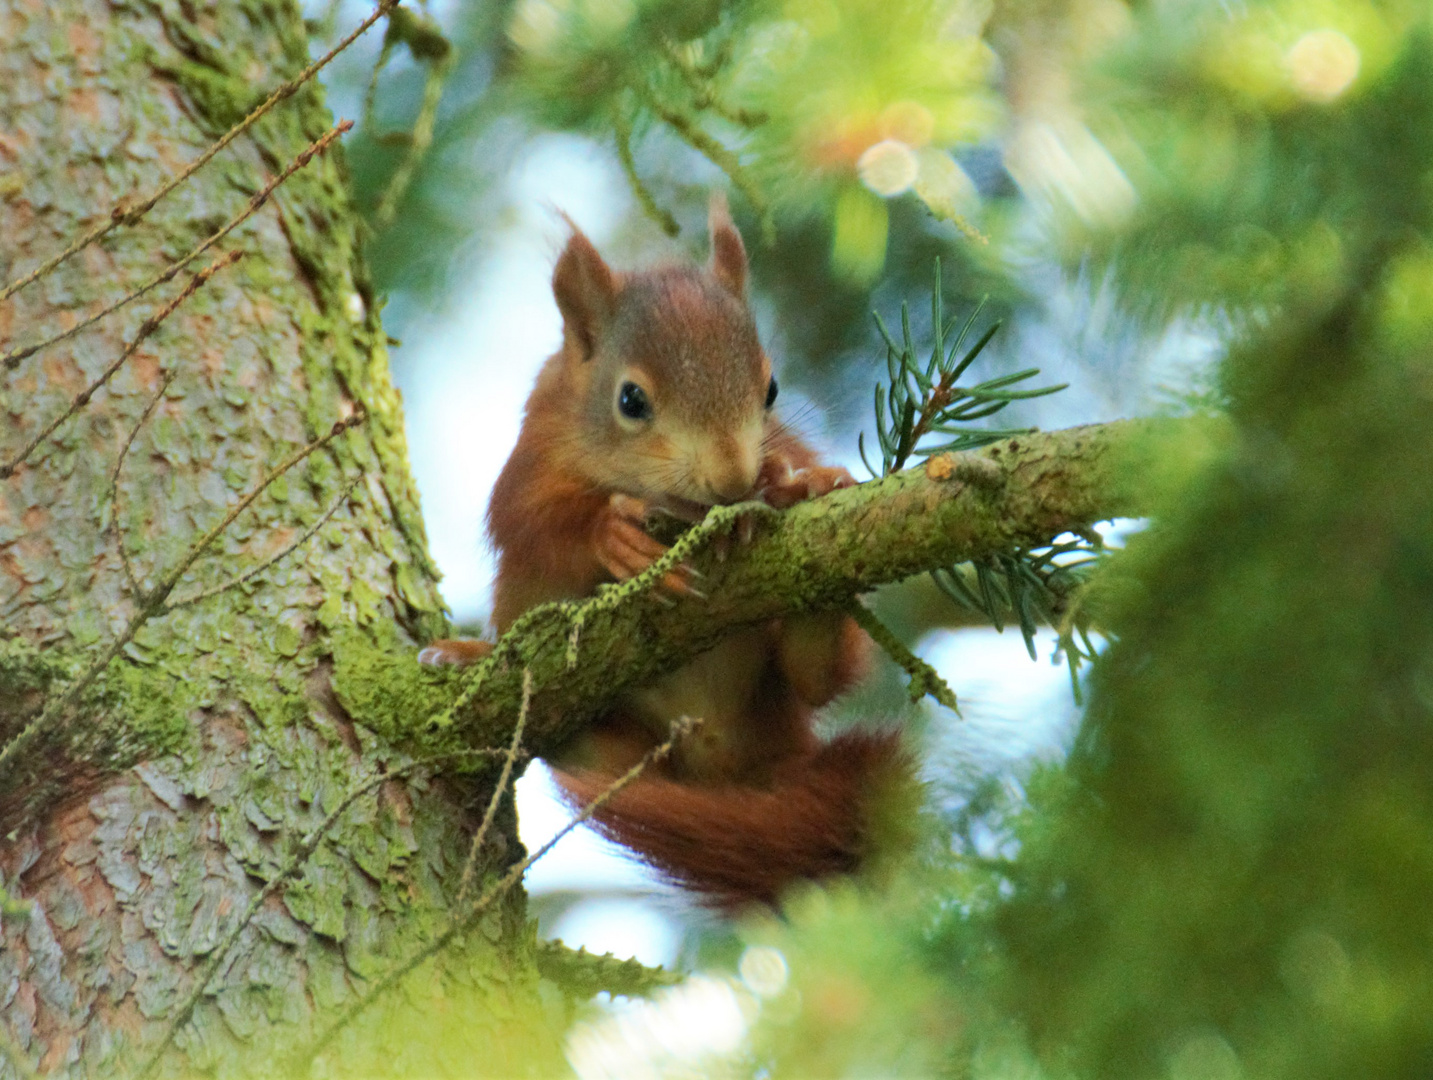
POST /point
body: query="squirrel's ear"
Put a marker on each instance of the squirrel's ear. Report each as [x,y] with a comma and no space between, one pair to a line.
[585,289]
[728,252]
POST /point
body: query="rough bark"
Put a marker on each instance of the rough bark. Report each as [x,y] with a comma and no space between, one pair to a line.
[133,872]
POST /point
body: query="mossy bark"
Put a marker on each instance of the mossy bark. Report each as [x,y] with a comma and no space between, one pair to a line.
[170,797]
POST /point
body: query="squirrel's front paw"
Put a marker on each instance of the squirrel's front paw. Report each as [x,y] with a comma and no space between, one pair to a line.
[793,486]
[624,548]
[455,651]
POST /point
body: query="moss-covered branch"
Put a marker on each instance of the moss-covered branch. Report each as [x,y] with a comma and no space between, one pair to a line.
[816,555]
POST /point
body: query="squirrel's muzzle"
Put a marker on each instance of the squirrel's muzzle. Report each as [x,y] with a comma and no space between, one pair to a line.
[729,471]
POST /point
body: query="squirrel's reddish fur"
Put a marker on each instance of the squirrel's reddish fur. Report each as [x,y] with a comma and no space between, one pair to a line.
[752,801]
[735,844]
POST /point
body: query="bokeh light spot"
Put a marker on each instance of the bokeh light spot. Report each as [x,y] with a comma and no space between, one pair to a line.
[764,970]
[888,168]
[1322,65]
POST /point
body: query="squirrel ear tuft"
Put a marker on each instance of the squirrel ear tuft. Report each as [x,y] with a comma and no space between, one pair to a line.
[728,252]
[585,289]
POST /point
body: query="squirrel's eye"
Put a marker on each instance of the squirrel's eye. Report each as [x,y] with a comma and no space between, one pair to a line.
[771,393]
[632,402]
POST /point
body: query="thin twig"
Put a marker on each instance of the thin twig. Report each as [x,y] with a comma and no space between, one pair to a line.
[582,975]
[153,602]
[114,509]
[645,198]
[249,575]
[438,73]
[924,678]
[713,150]
[704,94]
[679,730]
[146,328]
[479,837]
[370,95]
[301,854]
[12,358]
[944,391]
[130,214]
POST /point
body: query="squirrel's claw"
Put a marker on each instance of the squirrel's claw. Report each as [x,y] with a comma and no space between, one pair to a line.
[743,528]
[802,484]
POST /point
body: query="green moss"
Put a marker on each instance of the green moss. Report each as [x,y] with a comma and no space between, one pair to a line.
[390,693]
[154,705]
[131,713]
[222,98]
[145,709]
[26,675]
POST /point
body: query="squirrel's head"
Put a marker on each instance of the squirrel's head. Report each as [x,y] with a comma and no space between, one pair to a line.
[674,388]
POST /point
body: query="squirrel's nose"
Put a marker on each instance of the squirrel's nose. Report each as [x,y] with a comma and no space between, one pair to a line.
[732,487]
[731,472]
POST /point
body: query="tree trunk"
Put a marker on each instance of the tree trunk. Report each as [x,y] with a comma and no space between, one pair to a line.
[177,785]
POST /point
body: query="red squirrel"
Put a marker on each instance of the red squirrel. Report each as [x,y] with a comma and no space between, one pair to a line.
[660,399]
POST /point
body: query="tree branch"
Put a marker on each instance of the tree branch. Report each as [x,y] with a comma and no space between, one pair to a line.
[815,556]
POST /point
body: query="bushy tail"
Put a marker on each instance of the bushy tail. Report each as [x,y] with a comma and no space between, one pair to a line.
[735,845]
